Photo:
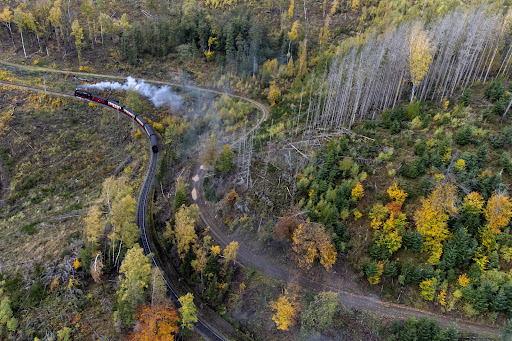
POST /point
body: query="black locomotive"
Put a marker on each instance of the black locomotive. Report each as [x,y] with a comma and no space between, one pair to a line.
[153,140]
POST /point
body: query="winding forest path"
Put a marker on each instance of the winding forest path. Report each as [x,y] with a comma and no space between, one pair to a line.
[321,280]
[326,281]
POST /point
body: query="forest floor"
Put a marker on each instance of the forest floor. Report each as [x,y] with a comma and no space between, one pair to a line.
[5,184]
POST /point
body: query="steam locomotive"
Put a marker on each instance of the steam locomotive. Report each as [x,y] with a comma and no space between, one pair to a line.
[153,140]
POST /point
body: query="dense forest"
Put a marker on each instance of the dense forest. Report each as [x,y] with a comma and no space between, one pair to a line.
[373,187]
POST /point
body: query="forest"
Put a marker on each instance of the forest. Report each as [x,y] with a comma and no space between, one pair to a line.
[334,169]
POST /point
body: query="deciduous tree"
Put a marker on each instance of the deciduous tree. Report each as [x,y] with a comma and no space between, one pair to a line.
[157,286]
[286,309]
[432,217]
[96,268]
[19,19]
[428,288]
[320,313]
[230,253]
[134,279]
[156,322]
[123,221]
[188,311]
[357,192]
[78,33]
[285,227]
[225,162]
[311,242]
[184,229]
[6,17]
[420,57]
[94,225]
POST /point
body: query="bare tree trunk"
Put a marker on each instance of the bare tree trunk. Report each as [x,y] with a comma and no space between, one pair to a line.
[90,33]
[23,43]
[505,113]
[57,36]
[118,252]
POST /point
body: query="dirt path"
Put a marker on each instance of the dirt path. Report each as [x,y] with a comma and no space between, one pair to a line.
[323,280]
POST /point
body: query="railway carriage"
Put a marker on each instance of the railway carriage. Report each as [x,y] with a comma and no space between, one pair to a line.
[153,140]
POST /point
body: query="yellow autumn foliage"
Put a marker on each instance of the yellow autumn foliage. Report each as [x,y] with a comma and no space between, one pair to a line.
[357,192]
[463,280]
[286,310]
[431,219]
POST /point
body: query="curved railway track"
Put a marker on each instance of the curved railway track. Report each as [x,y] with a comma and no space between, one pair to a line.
[202,327]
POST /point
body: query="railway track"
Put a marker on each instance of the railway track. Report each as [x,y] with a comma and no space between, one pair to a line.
[202,327]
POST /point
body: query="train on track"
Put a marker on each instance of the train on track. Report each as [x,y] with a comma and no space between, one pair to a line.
[153,140]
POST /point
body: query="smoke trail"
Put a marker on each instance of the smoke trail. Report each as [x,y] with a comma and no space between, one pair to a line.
[158,95]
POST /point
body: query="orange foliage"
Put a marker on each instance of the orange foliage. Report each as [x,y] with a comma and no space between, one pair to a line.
[157,323]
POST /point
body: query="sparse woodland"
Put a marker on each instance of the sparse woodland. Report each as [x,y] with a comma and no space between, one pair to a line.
[383,168]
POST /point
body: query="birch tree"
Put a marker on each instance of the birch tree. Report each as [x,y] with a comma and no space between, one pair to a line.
[420,57]
[134,279]
[19,19]
[55,19]
[78,33]
[6,18]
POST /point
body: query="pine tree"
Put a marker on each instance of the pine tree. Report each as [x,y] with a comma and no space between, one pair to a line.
[500,302]
[390,270]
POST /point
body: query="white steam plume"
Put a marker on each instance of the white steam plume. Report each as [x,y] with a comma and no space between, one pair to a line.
[158,95]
